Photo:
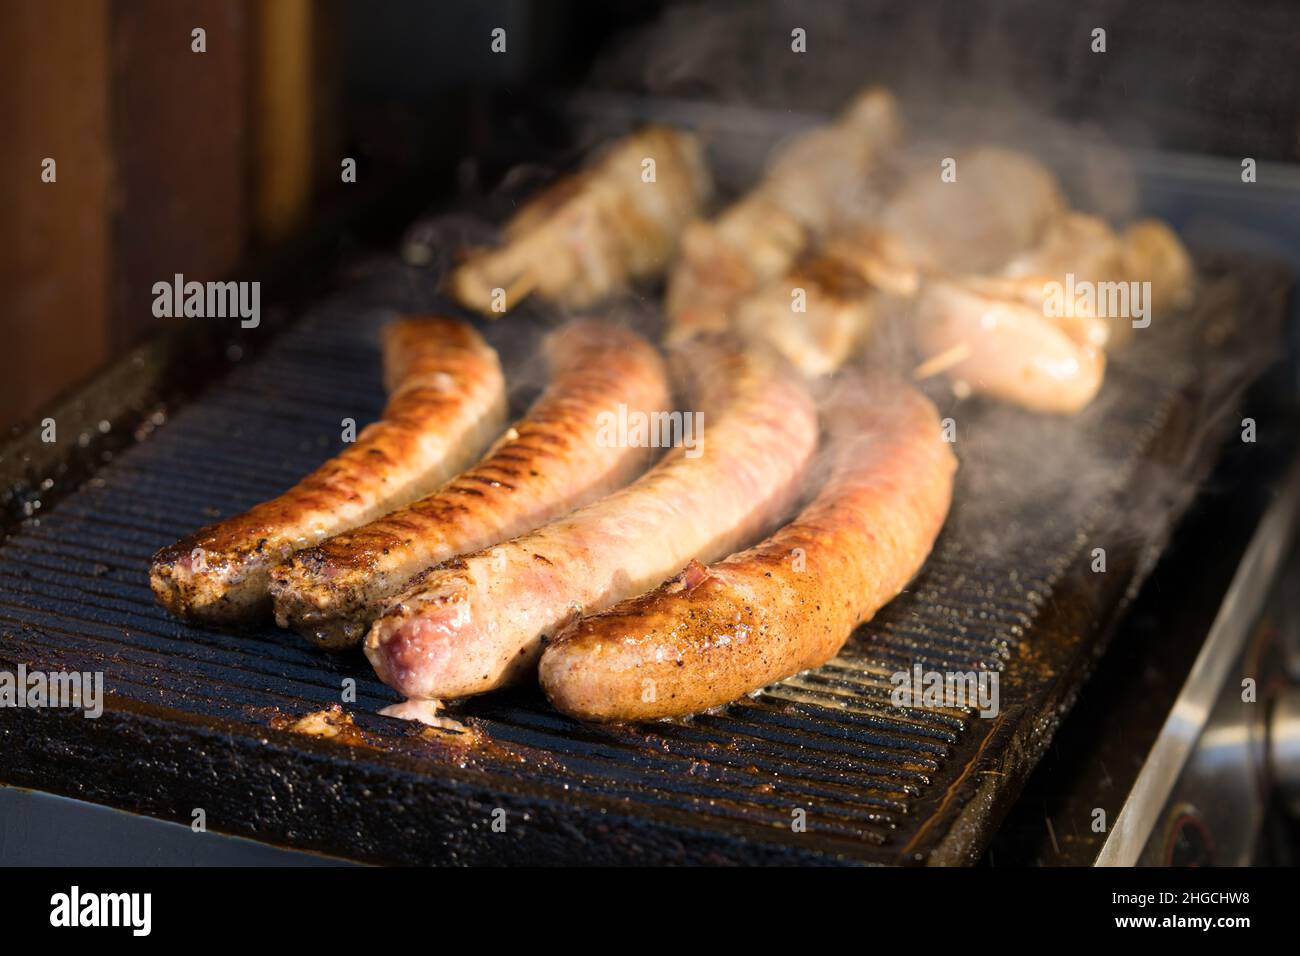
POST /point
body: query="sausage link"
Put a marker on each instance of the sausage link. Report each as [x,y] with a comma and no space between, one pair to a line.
[549,463]
[447,401]
[478,622]
[713,634]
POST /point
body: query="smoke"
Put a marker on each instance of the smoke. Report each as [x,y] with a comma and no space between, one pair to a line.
[964,78]
[968,75]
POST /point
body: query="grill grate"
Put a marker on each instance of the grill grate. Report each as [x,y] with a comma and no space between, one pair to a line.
[190,722]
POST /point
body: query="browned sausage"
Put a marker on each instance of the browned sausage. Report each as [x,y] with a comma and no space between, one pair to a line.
[477,622]
[447,402]
[549,463]
[713,634]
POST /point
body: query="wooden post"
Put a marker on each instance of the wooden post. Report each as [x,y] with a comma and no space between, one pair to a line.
[53,235]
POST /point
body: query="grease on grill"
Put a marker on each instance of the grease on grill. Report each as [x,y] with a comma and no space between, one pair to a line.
[425,712]
[333,723]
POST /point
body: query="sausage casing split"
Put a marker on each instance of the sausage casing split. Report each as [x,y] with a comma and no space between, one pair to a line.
[478,622]
[549,463]
[447,401]
[713,634]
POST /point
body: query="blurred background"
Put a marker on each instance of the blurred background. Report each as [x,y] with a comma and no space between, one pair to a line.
[171,160]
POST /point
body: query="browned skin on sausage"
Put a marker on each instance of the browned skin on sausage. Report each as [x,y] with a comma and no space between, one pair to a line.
[549,463]
[477,622]
[713,634]
[447,401]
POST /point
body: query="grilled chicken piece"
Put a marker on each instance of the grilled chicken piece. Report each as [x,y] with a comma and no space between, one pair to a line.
[1002,334]
[1153,253]
[1000,204]
[998,336]
[804,195]
[818,314]
[592,233]
[1015,335]
[881,259]
[724,260]
[828,174]
[1078,246]
[1088,249]
[1077,243]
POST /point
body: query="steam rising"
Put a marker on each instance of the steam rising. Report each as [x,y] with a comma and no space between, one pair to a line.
[727,69]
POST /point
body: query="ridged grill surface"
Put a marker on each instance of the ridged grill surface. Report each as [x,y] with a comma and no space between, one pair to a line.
[1034,496]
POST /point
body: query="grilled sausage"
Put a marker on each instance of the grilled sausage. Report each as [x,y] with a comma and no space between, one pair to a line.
[478,622]
[713,634]
[447,401]
[593,232]
[550,463]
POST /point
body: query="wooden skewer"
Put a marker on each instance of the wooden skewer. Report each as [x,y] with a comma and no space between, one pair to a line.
[519,289]
[473,290]
[943,361]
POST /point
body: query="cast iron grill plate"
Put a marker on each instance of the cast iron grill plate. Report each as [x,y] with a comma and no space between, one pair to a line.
[195,716]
